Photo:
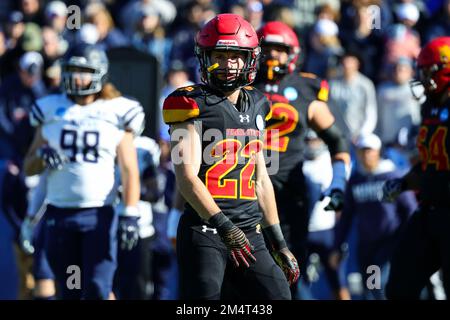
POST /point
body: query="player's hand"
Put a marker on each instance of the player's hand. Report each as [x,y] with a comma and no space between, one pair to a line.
[234,239]
[392,189]
[336,200]
[26,236]
[287,262]
[239,246]
[51,157]
[128,232]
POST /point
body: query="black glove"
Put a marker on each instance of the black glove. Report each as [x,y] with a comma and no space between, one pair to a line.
[234,238]
[336,200]
[51,157]
[128,232]
[392,189]
[281,254]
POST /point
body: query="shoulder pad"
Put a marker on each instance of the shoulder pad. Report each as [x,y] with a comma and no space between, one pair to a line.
[130,113]
[318,85]
[47,108]
[181,105]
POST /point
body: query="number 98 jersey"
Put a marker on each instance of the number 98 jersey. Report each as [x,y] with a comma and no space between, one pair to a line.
[88,137]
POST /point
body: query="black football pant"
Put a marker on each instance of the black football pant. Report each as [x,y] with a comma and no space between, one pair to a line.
[206,271]
[292,204]
[423,249]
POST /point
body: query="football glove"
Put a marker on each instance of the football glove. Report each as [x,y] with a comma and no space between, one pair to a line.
[52,159]
[336,190]
[392,189]
[26,235]
[128,232]
[336,200]
[234,239]
[281,254]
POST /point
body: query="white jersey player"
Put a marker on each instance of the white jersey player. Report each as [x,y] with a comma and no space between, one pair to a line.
[79,136]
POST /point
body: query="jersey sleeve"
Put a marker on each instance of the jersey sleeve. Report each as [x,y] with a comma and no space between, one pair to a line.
[37,117]
[319,88]
[132,116]
[46,109]
[180,106]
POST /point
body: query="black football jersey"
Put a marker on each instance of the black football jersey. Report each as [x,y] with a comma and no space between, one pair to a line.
[290,100]
[433,142]
[230,138]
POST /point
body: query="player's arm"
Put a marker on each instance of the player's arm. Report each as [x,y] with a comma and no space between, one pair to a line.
[271,223]
[323,122]
[129,171]
[186,157]
[33,164]
[127,158]
[393,187]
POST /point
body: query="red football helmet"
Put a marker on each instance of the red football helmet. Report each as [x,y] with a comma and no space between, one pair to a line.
[227,32]
[280,34]
[434,65]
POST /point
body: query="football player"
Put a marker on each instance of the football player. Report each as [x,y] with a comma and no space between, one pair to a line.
[425,244]
[216,133]
[298,102]
[79,135]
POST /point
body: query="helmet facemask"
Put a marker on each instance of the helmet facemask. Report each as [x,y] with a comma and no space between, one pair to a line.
[270,68]
[233,78]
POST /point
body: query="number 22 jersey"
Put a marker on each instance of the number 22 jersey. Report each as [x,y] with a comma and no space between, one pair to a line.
[230,138]
[88,137]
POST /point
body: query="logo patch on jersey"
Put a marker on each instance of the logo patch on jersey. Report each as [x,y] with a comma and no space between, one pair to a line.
[205,228]
[259,122]
[244,118]
[60,111]
[444,115]
[290,93]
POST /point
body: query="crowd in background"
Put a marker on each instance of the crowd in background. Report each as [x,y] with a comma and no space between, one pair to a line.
[364,48]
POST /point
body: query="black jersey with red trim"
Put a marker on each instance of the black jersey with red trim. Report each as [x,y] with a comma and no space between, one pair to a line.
[433,143]
[230,137]
[290,98]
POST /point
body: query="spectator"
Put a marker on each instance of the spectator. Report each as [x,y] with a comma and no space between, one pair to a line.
[150,36]
[56,15]
[378,223]
[325,48]
[56,18]
[401,39]
[183,48]
[15,27]
[305,11]
[365,40]
[17,94]
[441,27]
[131,12]
[397,108]
[109,36]
[177,77]
[32,11]
[352,99]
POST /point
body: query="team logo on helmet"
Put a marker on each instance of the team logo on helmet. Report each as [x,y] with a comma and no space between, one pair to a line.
[444,54]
